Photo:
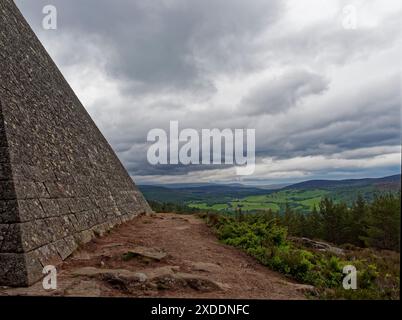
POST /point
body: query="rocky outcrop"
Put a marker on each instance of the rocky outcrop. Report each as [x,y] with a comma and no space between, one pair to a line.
[144,253]
[319,245]
[162,278]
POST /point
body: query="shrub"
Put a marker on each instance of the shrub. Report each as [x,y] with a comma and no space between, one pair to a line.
[265,240]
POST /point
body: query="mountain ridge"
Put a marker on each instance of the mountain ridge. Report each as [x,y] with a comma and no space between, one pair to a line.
[303,184]
[344,182]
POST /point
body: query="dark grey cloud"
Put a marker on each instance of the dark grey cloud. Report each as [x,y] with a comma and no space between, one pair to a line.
[366,118]
[327,42]
[163,45]
[281,93]
[309,88]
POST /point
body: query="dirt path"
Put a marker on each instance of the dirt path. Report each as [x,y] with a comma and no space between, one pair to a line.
[165,255]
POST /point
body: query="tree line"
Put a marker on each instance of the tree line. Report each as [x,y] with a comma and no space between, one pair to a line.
[162,207]
[373,223]
[364,224]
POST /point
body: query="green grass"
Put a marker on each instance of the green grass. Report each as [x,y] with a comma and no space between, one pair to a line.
[205,206]
[297,199]
[301,200]
[247,205]
[310,203]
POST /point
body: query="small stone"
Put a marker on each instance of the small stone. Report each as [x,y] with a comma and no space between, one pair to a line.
[142,276]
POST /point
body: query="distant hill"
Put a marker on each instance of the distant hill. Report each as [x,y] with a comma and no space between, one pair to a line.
[390,182]
[184,185]
[210,193]
[274,186]
[300,196]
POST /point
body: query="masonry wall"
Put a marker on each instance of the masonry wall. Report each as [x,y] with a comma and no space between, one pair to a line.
[60,181]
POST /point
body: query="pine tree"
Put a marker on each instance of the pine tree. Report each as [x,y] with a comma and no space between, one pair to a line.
[329,220]
[358,216]
[314,225]
[384,223]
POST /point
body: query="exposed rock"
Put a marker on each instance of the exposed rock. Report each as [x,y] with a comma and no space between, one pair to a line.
[83,288]
[95,272]
[144,252]
[119,279]
[166,277]
[204,266]
[142,276]
[162,271]
[81,255]
[169,277]
[112,245]
[118,282]
[181,228]
[319,245]
[197,282]
[236,275]
[305,288]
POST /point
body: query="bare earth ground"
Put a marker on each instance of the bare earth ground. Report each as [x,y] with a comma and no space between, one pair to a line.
[164,255]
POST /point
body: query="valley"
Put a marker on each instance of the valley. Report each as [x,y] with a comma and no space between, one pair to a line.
[300,197]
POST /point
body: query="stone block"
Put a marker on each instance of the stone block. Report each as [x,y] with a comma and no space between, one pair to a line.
[60,181]
[30,209]
[9,211]
[13,269]
[50,207]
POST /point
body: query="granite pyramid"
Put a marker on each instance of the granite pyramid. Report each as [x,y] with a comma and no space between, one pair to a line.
[60,181]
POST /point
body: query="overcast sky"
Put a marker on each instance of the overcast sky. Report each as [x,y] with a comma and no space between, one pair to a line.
[325,100]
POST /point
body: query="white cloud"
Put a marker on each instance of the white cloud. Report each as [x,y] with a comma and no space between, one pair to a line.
[321,98]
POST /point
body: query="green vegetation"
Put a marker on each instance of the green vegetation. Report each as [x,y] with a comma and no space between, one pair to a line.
[371,224]
[302,200]
[301,197]
[361,217]
[375,225]
[172,207]
[209,194]
[204,206]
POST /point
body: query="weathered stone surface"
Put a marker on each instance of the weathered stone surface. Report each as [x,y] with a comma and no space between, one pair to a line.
[5,170]
[306,288]
[83,289]
[8,211]
[197,282]
[11,239]
[48,255]
[60,181]
[170,276]
[13,269]
[30,210]
[95,272]
[166,277]
[7,190]
[204,266]
[319,245]
[162,271]
[145,253]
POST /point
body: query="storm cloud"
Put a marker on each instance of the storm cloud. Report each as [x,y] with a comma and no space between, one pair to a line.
[282,93]
[324,99]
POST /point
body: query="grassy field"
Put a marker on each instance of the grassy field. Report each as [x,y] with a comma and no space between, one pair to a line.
[301,197]
[297,199]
